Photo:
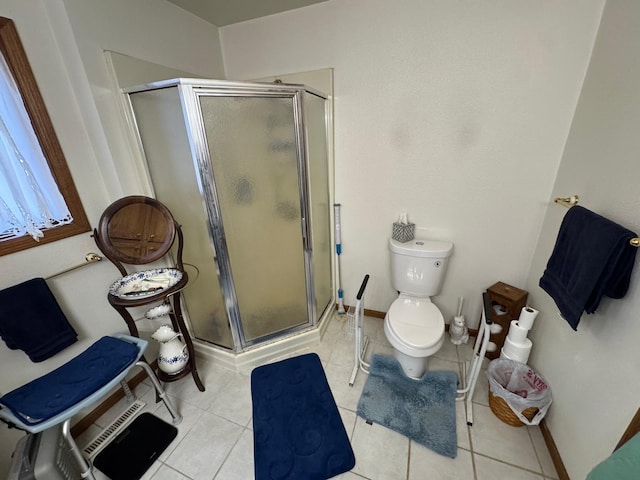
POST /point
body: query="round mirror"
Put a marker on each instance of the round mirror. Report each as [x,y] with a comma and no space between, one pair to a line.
[136,230]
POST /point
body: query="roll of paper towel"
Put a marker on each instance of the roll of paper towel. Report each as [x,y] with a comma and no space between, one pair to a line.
[517,334]
[527,316]
[517,351]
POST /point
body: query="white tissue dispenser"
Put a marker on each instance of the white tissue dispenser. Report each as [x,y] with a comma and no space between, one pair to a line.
[403,232]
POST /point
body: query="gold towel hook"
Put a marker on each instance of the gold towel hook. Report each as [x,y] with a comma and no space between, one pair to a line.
[568,201]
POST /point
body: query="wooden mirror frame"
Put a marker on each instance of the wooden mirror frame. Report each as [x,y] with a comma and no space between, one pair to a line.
[105,242]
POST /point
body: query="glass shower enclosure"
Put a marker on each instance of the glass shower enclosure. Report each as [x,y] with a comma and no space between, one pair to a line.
[243,167]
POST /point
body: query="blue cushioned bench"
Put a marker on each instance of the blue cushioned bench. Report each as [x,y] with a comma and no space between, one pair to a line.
[57,396]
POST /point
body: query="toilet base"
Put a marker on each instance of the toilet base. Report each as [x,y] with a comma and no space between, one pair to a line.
[413,367]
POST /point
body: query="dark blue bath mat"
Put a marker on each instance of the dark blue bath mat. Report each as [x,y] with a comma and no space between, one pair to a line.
[423,410]
[297,429]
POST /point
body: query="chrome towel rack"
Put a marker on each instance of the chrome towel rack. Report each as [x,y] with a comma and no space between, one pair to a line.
[574,199]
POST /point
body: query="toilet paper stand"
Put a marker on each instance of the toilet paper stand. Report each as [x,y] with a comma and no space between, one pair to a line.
[511,300]
[470,379]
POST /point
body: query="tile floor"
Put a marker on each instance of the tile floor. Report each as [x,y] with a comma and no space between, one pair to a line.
[215,439]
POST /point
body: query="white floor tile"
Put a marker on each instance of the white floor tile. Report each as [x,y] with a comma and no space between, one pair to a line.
[167,473]
[438,364]
[205,447]
[448,351]
[465,350]
[426,463]
[234,401]
[489,469]
[214,377]
[495,439]
[190,417]
[481,393]
[343,354]
[542,451]
[381,454]
[348,420]
[239,464]
[338,377]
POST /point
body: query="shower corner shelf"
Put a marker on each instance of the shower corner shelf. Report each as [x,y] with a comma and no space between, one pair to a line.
[140,230]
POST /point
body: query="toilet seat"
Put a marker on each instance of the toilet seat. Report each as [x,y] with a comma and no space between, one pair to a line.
[414,326]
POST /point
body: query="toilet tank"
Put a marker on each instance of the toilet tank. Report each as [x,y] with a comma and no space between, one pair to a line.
[418,267]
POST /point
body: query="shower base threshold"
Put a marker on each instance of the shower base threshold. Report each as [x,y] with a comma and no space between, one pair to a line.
[278,349]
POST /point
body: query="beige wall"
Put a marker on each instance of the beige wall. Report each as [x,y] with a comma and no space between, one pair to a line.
[75,84]
[455,112]
[593,372]
[64,41]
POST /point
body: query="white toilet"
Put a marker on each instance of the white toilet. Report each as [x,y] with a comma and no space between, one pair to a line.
[413,325]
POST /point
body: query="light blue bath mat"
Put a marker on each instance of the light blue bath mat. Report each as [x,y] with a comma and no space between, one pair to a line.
[423,410]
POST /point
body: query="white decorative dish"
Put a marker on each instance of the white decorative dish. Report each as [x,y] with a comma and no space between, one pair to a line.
[146,283]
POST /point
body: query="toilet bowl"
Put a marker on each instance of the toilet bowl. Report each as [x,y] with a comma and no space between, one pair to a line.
[415,329]
[414,326]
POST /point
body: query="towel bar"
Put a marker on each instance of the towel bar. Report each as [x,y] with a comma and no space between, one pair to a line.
[89,259]
[573,200]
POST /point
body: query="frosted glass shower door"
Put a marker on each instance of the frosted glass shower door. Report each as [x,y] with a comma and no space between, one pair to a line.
[163,134]
[317,154]
[252,144]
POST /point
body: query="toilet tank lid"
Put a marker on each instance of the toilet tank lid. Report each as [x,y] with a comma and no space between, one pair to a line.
[422,248]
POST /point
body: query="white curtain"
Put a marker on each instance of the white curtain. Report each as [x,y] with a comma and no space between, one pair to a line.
[29,196]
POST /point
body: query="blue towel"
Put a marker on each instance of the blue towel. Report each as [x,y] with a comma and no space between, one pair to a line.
[31,320]
[592,257]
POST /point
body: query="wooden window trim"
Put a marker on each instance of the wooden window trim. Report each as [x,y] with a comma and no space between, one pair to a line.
[13,51]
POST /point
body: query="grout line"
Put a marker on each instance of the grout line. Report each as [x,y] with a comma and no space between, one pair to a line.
[228,454]
[535,450]
[408,458]
[519,467]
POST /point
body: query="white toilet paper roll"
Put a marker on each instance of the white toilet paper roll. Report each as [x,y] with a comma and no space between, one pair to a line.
[504,355]
[527,316]
[495,328]
[517,351]
[517,334]
[499,309]
[491,347]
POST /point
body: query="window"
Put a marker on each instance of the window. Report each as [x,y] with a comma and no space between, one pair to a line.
[16,59]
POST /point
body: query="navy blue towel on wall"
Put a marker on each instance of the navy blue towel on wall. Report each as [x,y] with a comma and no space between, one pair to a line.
[592,258]
[31,320]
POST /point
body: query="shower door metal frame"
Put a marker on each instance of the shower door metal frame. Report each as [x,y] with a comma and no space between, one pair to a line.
[190,93]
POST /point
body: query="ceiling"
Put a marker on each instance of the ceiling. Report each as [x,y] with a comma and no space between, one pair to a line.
[227,12]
